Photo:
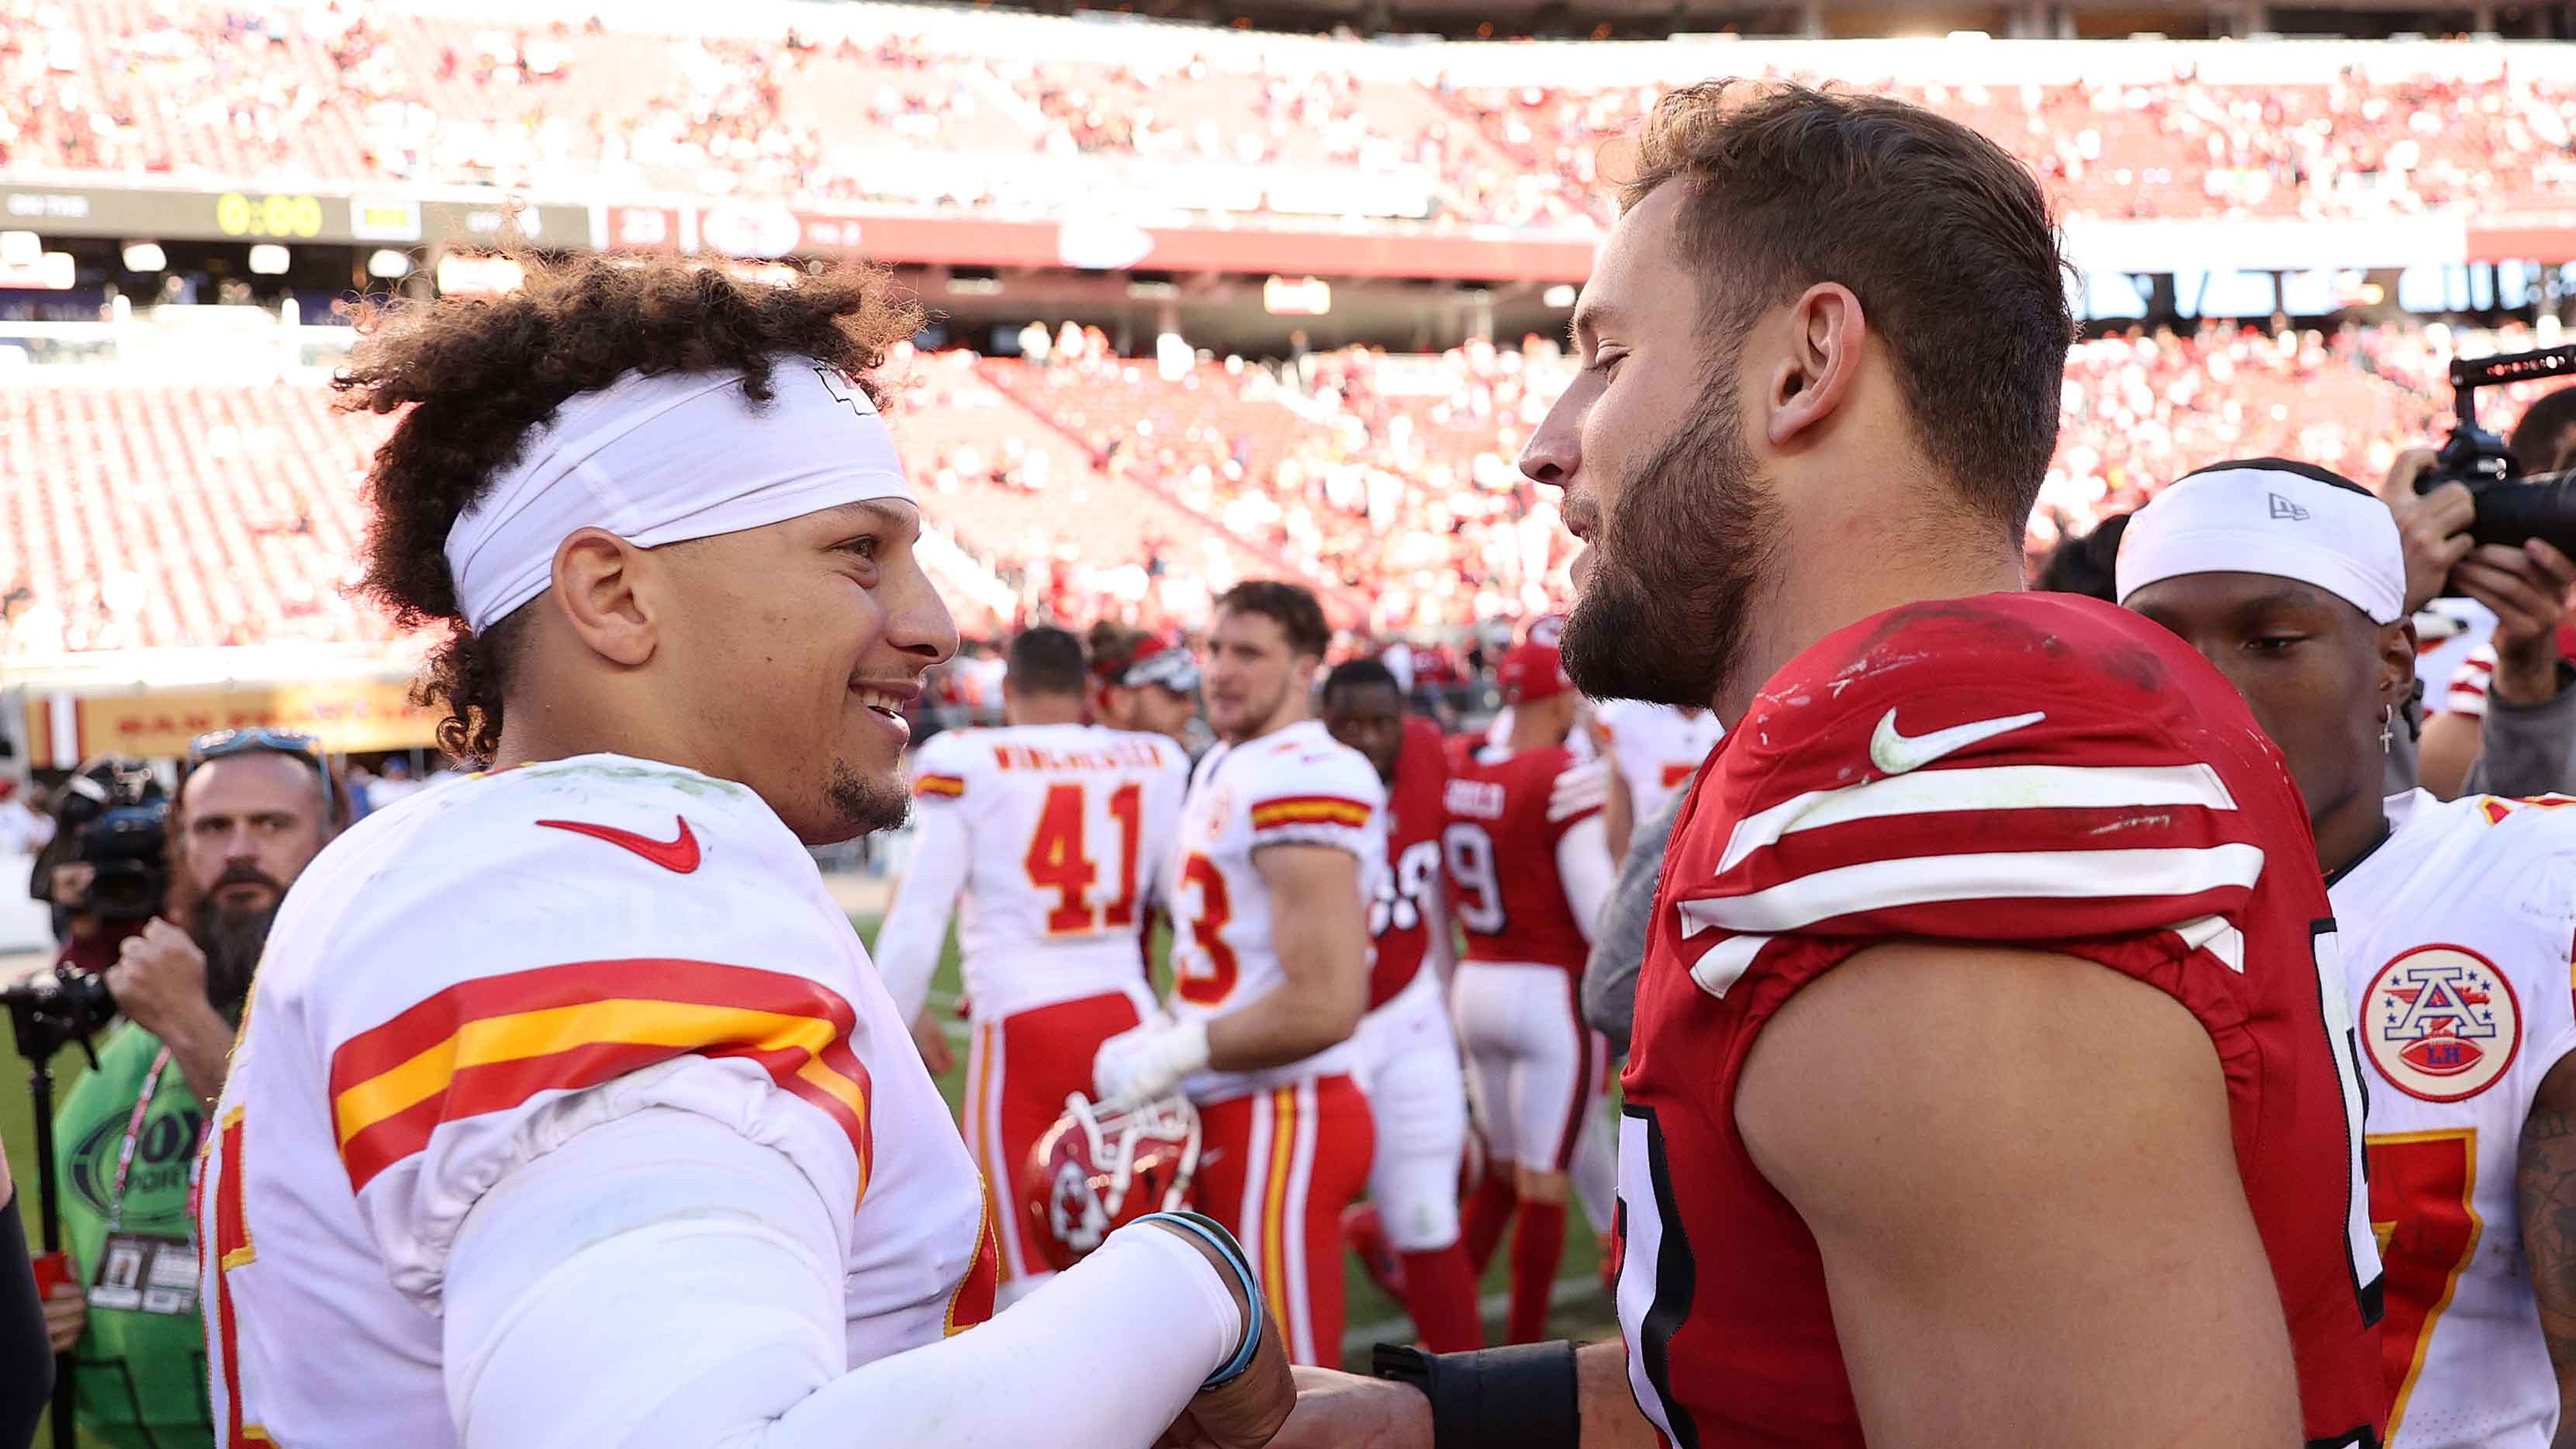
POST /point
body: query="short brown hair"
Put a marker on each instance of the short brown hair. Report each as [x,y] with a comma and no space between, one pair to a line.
[477,374]
[1945,239]
[1291,606]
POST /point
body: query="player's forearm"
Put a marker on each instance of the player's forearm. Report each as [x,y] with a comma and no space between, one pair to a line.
[1292,1023]
[1619,818]
[1610,1417]
[662,1281]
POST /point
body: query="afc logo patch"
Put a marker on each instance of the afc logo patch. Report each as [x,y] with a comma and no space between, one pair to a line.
[2441,1023]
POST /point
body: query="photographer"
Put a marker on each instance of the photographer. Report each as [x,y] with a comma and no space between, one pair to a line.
[2508,725]
[252,809]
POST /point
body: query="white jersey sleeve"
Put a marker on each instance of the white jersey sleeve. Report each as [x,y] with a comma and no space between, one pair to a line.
[1309,796]
[916,926]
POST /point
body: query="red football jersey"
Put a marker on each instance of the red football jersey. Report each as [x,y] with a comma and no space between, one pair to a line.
[2039,770]
[1401,914]
[1505,814]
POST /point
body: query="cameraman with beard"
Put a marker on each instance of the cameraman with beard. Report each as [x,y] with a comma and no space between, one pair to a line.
[253,808]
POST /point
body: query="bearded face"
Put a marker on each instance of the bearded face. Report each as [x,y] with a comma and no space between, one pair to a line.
[1679,563]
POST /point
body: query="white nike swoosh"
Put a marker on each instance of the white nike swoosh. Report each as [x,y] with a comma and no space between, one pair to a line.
[1894,754]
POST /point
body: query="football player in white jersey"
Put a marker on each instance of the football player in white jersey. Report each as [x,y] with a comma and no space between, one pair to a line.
[2453,921]
[1050,830]
[1269,893]
[569,1110]
[1653,750]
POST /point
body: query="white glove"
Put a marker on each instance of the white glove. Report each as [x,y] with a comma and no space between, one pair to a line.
[1144,1062]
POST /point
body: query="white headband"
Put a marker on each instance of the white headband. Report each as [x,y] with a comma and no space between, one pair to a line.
[2270,517]
[664,459]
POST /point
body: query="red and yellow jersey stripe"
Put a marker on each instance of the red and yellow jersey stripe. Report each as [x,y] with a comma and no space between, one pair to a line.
[945,787]
[490,1044]
[1310,810]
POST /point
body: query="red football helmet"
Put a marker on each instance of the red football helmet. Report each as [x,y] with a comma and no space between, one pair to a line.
[1096,1170]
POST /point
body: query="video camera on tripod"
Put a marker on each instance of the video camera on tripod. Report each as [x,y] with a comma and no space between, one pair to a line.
[2512,506]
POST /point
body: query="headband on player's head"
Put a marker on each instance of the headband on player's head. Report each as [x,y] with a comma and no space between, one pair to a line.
[2270,516]
[664,459]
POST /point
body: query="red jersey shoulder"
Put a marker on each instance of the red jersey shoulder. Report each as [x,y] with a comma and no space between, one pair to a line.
[2025,678]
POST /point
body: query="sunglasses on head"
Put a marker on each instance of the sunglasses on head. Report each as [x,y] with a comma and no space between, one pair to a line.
[260,739]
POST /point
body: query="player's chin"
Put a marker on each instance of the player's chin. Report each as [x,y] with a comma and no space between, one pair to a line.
[862,801]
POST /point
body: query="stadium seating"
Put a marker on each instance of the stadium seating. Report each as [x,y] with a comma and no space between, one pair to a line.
[1092,486]
[1015,114]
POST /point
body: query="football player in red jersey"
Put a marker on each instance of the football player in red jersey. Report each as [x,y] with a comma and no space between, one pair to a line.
[1407,1233]
[1528,866]
[1983,1084]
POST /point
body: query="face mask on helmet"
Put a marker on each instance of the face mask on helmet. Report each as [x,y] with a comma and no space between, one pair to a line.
[1096,1171]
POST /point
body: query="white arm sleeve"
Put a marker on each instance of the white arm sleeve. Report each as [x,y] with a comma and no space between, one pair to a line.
[1583,864]
[661,1282]
[907,945]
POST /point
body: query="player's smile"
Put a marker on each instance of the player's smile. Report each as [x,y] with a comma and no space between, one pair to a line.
[887,699]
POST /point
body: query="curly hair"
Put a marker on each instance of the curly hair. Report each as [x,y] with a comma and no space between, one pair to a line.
[477,374]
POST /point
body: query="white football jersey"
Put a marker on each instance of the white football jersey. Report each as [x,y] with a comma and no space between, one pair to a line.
[2455,936]
[1295,786]
[1655,748]
[462,983]
[1055,834]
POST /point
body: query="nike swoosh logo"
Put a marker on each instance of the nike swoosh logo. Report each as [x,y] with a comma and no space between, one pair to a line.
[680,853]
[1895,754]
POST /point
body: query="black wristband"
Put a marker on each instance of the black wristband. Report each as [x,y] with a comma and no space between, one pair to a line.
[1521,1397]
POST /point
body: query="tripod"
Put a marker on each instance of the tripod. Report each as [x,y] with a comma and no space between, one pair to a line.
[40,1091]
[48,1012]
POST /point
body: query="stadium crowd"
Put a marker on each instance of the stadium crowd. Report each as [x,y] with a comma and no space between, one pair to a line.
[1086,485]
[277,94]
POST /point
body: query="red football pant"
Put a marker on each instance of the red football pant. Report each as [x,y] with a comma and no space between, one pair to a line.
[1278,1167]
[1019,1070]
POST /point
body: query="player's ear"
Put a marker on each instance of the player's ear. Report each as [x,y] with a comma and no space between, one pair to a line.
[1826,335]
[596,592]
[2396,671]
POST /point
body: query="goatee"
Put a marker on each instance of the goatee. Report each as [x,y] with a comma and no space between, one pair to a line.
[865,803]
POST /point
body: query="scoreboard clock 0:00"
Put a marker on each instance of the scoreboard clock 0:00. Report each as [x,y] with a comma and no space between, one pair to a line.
[237,214]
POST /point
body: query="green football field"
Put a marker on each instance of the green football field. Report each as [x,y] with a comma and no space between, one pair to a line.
[1582,1310]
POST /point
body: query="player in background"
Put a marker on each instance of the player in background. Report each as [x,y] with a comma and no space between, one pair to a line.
[1050,831]
[1146,683]
[2453,921]
[1984,1072]
[1527,868]
[1269,894]
[568,1109]
[1653,750]
[1408,1054]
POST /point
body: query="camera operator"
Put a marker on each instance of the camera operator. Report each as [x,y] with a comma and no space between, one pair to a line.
[252,809]
[102,868]
[2511,714]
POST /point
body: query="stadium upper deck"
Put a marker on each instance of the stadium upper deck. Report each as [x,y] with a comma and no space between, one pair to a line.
[1015,116]
[154,513]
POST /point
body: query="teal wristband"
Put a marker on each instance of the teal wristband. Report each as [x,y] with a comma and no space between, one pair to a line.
[1214,1234]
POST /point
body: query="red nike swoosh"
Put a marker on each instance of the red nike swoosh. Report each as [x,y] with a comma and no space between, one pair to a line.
[679,853]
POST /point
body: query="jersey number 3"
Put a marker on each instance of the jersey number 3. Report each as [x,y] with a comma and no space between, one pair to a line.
[1058,860]
[1206,976]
